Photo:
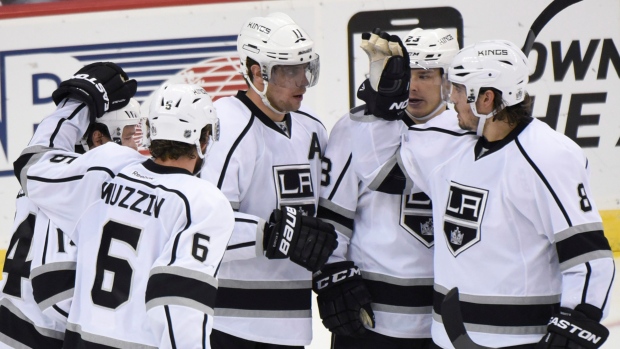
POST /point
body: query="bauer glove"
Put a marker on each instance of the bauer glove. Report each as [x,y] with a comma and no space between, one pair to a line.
[386,91]
[343,299]
[307,241]
[575,329]
[103,86]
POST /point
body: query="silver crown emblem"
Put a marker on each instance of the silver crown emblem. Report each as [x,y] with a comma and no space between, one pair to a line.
[456,237]
[427,228]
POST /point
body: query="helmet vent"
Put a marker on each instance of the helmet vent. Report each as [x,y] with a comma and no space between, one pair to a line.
[178,102]
[195,100]
[506,62]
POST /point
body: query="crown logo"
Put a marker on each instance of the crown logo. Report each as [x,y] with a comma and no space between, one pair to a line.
[456,237]
[427,228]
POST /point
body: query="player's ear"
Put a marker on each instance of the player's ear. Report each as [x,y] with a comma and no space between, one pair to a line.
[257,77]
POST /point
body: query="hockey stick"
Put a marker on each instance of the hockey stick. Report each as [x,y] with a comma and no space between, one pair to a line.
[543,18]
[453,322]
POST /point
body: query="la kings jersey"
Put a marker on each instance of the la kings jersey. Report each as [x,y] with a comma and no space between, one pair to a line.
[35,240]
[22,323]
[149,241]
[391,236]
[516,230]
[259,168]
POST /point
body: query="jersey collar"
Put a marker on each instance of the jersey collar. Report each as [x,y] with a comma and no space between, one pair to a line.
[484,147]
[263,117]
[153,167]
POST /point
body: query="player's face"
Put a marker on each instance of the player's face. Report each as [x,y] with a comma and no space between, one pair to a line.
[285,99]
[127,138]
[424,91]
[467,119]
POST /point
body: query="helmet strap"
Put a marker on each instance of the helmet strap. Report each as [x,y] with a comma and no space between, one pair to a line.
[427,116]
[482,118]
[263,94]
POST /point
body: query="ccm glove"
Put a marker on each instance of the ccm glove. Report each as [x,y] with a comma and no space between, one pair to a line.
[343,299]
[103,86]
[575,329]
[386,91]
[307,241]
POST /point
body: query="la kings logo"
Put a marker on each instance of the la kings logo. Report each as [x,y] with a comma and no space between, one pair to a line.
[295,188]
[464,212]
[416,217]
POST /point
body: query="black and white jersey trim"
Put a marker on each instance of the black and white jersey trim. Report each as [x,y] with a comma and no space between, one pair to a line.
[339,217]
[398,295]
[502,315]
[170,329]
[340,177]
[247,129]
[75,337]
[61,121]
[279,299]
[52,283]
[17,331]
[179,286]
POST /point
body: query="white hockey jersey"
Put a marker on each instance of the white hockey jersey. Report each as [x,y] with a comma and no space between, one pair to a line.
[391,236]
[22,323]
[515,227]
[259,168]
[149,239]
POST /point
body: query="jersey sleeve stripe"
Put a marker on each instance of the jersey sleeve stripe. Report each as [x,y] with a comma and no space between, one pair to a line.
[179,286]
[544,180]
[586,282]
[271,299]
[339,219]
[340,177]
[242,245]
[584,247]
[232,151]
[613,274]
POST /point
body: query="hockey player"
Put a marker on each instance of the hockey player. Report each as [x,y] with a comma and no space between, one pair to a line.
[37,247]
[269,158]
[151,237]
[391,236]
[517,231]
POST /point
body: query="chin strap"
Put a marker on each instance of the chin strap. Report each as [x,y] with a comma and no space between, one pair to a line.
[482,118]
[263,95]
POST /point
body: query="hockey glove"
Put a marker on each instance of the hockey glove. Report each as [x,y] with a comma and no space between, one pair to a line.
[307,241]
[386,91]
[343,299]
[103,86]
[575,329]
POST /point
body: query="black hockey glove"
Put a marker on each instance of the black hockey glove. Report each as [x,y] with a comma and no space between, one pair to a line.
[307,241]
[575,329]
[103,86]
[386,91]
[343,299]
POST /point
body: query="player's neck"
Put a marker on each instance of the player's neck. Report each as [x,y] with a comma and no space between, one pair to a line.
[258,101]
[497,130]
[183,162]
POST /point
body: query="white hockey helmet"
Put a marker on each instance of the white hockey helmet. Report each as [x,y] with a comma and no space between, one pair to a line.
[116,120]
[179,112]
[499,64]
[431,48]
[277,40]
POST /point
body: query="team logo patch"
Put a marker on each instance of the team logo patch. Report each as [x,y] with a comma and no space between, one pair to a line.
[464,212]
[295,188]
[416,217]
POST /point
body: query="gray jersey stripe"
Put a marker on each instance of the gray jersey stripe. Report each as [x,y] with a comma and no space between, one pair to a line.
[503,300]
[401,310]
[93,338]
[577,229]
[288,314]
[397,281]
[286,285]
[516,330]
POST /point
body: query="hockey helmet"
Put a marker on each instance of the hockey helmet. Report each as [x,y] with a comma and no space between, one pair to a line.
[431,48]
[116,120]
[276,40]
[179,112]
[497,64]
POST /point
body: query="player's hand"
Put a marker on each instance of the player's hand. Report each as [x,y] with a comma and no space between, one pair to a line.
[343,299]
[386,91]
[575,329]
[307,241]
[103,86]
